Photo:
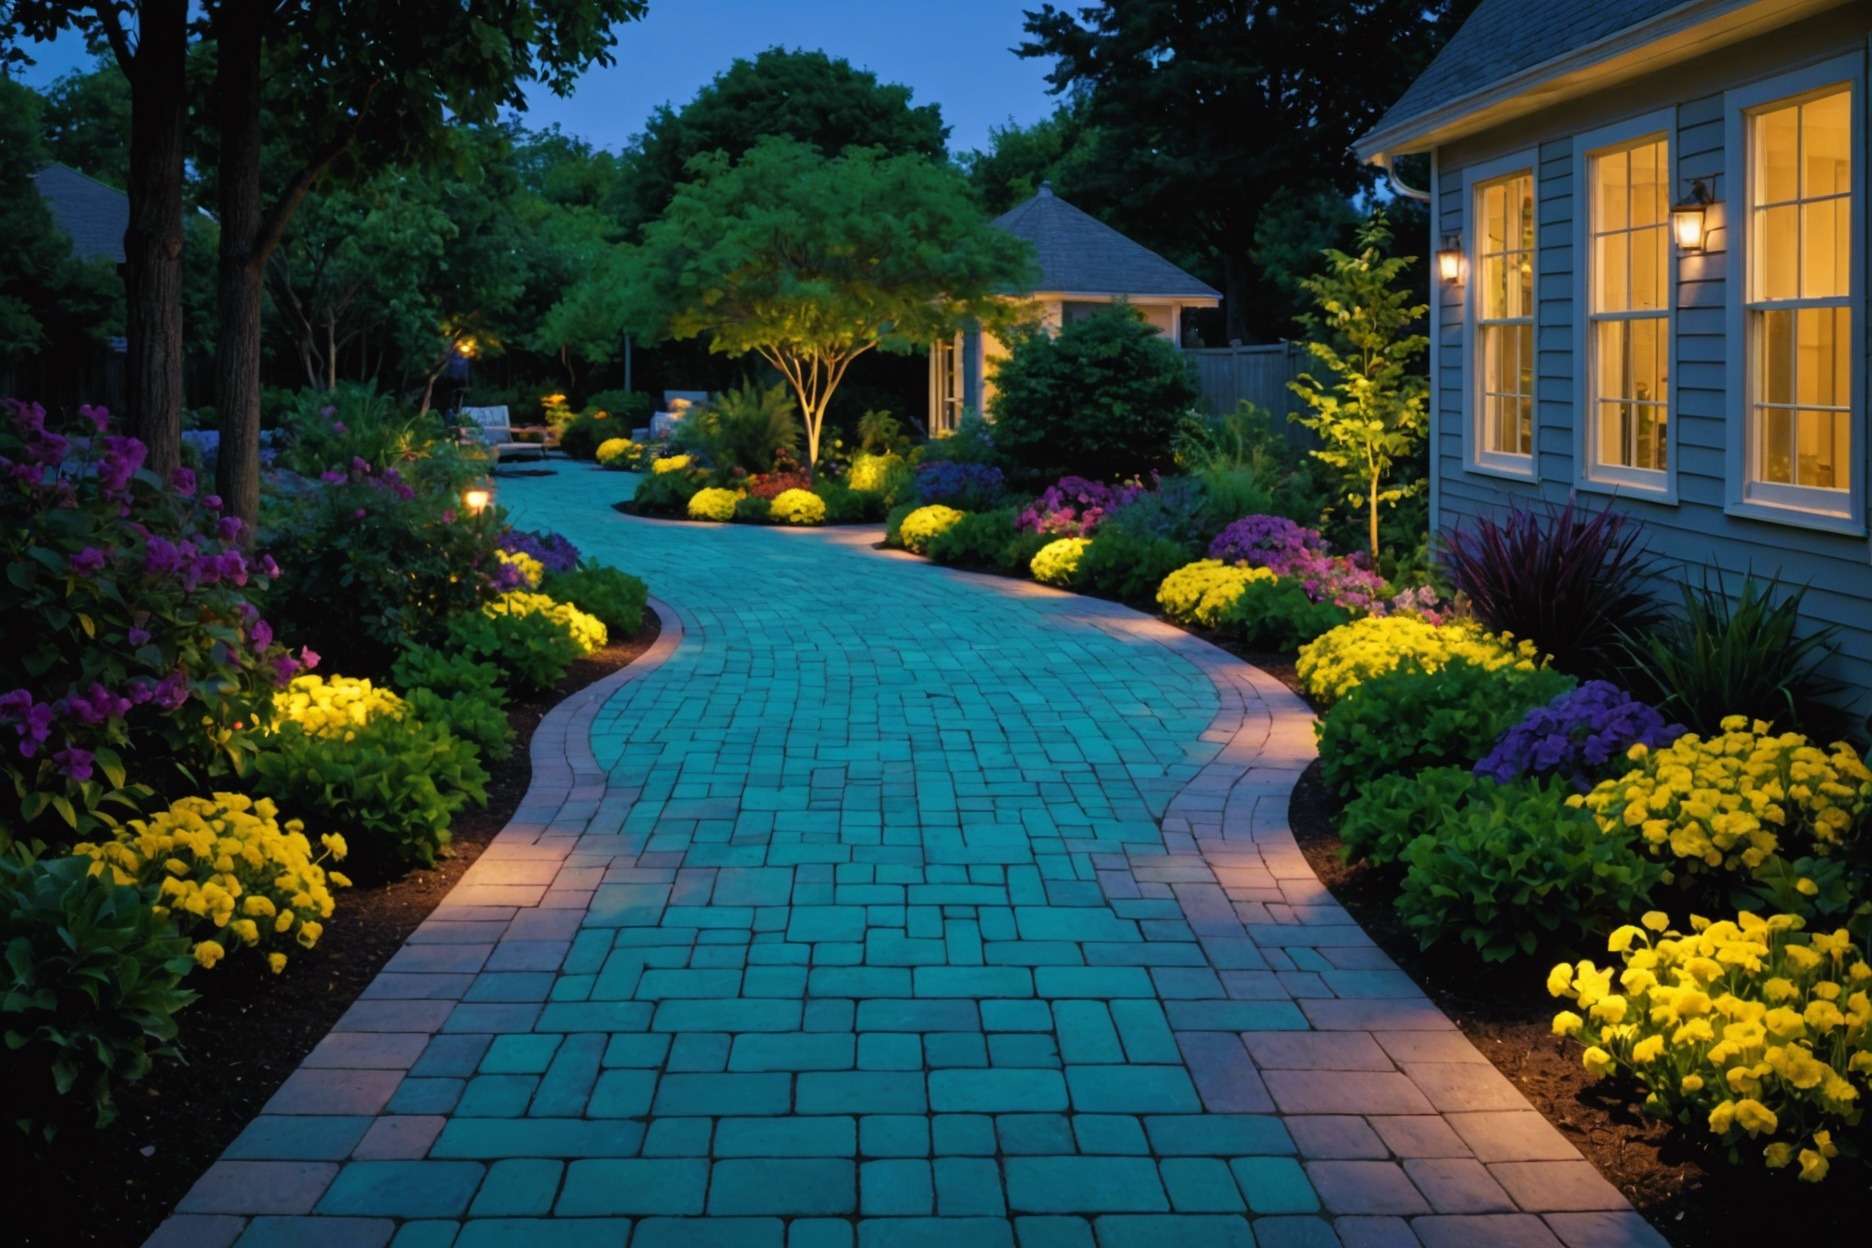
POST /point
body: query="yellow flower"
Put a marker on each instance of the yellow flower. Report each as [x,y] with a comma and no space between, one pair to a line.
[1806,887]
[1609,1009]
[209,952]
[309,932]
[1656,920]
[336,844]
[1567,1023]
[1778,1154]
[1690,1084]
[1622,937]
[1648,1049]
[1813,1166]
[276,962]
[1722,1118]
[1559,980]
[1597,1061]
[1754,1117]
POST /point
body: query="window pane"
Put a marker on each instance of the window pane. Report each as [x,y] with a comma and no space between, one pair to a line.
[1842,357]
[1777,445]
[1494,288]
[1611,171]
[1610,276]
[1525,446]
[1523,293]
[1646,162]
[1777,146]
[1777,245]
[1826,145]
[1611,433]
[1521,188]
[1653,424]
[1823,267]
[1647,268]
[1647,362]
[1524,351]
[1822,437]
[1776,371]
[1612,360]
[1494,211]
[1816,352]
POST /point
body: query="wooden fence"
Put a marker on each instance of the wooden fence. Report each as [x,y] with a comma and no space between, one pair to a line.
[1259,374]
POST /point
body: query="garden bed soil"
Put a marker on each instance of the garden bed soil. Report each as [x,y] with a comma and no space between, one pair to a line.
[250,1030]
[1696,1198]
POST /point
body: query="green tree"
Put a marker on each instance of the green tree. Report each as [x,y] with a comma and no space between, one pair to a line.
[1060,148]
[1103,397]
[811,262]
[45,292]
[1206,108]
[815,99]
[1371,412]
[87,122]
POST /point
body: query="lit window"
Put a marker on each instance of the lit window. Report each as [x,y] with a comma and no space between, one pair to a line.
[1629,331]
[1505,314]
[1799,294]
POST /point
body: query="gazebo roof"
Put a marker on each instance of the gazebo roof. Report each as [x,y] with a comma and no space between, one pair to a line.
[1079,254]
[93,215]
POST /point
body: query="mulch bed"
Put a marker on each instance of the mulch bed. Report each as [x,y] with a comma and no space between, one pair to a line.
[250,1030]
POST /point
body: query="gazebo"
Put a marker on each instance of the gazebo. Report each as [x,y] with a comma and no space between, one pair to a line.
[1083,265]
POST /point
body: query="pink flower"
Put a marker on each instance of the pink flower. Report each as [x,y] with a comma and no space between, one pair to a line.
[309,657]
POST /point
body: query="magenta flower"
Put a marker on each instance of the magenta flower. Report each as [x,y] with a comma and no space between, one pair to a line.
[182,481]
[211,501]
[161,556]
[88,562]
[309,657]
[122,458]
[98,416]
[32,721]
[229,529]
[261,634]
[268,568]
[170,692]
[331,476]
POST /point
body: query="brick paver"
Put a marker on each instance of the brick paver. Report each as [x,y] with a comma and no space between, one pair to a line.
[882,904]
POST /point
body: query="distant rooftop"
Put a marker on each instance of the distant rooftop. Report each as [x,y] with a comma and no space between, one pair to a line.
[1079,254]
[94,216]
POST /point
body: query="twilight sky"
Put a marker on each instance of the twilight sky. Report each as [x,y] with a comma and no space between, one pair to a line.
[955,53]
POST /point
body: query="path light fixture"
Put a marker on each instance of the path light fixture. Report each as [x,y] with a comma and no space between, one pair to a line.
[476,501]
[1689,216]
[1449,259]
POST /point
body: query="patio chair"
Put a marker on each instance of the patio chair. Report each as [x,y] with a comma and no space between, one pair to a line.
[491,426]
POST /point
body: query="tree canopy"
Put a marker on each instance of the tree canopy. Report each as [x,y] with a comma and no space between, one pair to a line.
[810,262]
[815,99]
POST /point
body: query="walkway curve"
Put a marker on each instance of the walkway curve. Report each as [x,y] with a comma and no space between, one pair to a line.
[905,905]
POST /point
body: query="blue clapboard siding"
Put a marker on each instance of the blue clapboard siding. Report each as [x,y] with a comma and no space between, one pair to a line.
[1694,536]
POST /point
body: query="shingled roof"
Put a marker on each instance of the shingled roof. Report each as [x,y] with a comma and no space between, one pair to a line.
[1503,38]
[1080,255]
[93,215]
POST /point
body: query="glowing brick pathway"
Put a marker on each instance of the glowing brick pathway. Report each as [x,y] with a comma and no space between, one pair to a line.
[891,906]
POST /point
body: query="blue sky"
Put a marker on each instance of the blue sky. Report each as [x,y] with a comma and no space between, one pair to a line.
[955,53]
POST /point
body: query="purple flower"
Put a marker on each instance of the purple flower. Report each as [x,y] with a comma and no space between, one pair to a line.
[968,486]
[171,691]
[32,721]
[508,576]
[211,501]
[98,416]
[1576,735]
[554,552]
[182,481]
[74,762]
[1075,507]
[161,556]
[1272,542]
[88,562]
[138,636]
[268,568]
[122,458]
[94,707]
[261,634]
[229,528]
[331,476]
[359,514]
[285,667]
[360,465]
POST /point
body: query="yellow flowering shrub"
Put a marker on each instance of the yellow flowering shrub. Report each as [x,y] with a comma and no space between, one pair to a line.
[671,463]
[713,504]
[1733,801]
[1198,593]
[1057,562]
[229,874]
[333,706]
[587,631]
[873,473]
[1337,661]
[618,453]
[798,506]
[531,569]
[1752,1029]
[922,526]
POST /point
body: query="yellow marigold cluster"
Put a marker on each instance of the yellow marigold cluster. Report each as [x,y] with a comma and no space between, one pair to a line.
[1198,593]
[1057,562]
[1751,1028]
[798,507]
[1735,800]
[227,866]
[586,630]
[1339,660]
[618,453]
[333,706]
[922,526]
[713,504]
[872,472]
[671,463]
[531,569]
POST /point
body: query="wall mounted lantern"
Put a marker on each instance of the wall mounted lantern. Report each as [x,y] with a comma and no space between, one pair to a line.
[1689,216]
[1449,259]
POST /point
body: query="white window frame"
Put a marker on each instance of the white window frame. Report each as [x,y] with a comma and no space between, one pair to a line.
[1801,506]
[1476,459]
[1589,474]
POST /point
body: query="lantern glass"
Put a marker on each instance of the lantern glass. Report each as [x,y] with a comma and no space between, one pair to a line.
[1449,260]
[1687,225]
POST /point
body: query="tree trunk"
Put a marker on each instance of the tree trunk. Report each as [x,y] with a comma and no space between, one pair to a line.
[153,241]
[237,354]
[1372,502]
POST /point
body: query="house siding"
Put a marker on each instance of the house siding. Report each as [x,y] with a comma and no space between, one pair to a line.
[1694,535]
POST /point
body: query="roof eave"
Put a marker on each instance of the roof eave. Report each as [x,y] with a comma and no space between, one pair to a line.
[1689,30]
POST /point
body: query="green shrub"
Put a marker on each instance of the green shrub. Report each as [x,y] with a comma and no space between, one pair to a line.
[1101,397]
[1515,868]
[1392,811]
[887,476]
[615,597]
[446,672]
[880,433]
[1128,567]
[752,510]
[1278,615]
[1231,493]
[479,719]
[585,433]
[1408,719]
[327,429]
[1057,562]
[1199,592]
[533,650]
[801,507]
[630,408]
[665,493]
[976,540]
[93,986]
[393,784]
[1018,555]
[748,427]
[919,528]
[893,524]
[844,505]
